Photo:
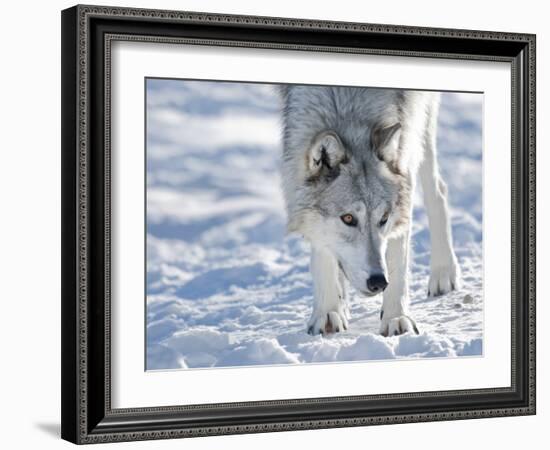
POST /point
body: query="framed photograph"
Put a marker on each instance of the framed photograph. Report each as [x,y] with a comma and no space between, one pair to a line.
[279,224]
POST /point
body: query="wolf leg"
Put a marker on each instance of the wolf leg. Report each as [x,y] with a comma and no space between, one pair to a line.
[444,268]
[394,318]
[330,312]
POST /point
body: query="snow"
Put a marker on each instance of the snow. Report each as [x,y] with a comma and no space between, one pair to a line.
[227,287]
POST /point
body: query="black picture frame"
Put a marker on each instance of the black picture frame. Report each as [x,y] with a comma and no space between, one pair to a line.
[87,32]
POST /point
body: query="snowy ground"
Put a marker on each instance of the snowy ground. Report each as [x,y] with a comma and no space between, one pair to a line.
[226,287]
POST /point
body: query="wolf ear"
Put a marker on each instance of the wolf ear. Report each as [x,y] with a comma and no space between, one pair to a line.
[326,153]
[385,141]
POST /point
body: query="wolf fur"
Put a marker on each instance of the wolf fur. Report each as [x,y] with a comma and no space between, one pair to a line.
[351,157]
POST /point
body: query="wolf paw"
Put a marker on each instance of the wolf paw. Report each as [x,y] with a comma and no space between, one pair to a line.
[444,279]
[397,325]
[327,322]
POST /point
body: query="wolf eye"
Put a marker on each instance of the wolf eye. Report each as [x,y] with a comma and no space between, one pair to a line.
[384,219]
[349,220]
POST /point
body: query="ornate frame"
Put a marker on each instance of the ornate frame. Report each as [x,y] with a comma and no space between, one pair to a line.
[87,34]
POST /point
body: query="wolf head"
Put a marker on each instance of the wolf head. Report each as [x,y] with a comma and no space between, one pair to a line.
[344,185]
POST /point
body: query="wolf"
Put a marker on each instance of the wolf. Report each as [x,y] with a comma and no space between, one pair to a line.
[350,163]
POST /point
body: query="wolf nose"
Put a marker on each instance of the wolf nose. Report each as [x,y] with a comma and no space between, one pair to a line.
[377,283]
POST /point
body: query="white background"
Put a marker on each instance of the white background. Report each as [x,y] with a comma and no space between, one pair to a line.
[30,226]
[133,387]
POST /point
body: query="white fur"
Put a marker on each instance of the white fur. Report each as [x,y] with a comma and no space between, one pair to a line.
[329,291]
[394,316]
[358,151]
[444,268]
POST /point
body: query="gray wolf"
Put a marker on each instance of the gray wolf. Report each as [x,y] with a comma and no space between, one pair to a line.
[351,159]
